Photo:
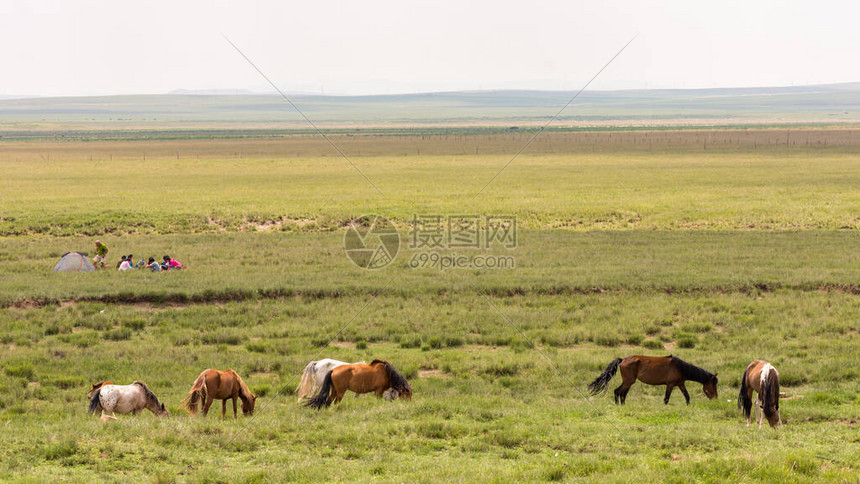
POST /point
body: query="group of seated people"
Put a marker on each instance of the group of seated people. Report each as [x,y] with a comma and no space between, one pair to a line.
[168,264]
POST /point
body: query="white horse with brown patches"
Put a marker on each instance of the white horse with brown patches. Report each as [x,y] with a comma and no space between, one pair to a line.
[760,377]
[125,399]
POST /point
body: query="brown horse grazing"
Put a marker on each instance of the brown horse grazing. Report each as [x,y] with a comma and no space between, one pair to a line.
[654,370]
[216,384]
[376,377]
[761,377]
[96,386]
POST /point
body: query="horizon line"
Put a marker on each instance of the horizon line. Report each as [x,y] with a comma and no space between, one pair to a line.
[247,92]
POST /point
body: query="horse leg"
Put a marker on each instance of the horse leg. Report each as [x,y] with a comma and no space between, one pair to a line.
[624,389]
[684,391]
[628,378]
[669,388]
[224,408]
[332,394]
[234,408]
[207,403]
[108,408]
[624,395]
[621,393]
[758,416]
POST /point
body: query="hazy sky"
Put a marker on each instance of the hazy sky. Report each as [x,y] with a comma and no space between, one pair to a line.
[372,47]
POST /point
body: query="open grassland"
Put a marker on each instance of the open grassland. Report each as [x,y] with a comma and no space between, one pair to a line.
[563,181]
[717,246]
[486,407]
[240,266]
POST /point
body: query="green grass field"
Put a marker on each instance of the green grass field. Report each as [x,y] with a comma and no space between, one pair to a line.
[649,243]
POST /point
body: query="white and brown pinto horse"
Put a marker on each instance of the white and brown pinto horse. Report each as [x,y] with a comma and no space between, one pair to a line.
[125,399]
[315,372]
[761,377]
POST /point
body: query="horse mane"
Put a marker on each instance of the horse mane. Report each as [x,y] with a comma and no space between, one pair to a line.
[147,391]
[244,391]
[395,379]
[690,371]
[378,361]
[770,392]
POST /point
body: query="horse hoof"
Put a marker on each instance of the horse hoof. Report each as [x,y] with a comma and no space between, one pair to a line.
[107,418]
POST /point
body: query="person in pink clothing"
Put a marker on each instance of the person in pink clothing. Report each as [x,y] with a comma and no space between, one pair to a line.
[171,263]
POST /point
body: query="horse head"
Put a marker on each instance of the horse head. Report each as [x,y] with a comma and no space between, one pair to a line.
[772,416]
[401,388]
[248,403]
[405,392]
[710,387]
[151,401]
[162,412]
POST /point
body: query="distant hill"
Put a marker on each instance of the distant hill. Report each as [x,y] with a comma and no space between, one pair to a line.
[828,103]
[211,92]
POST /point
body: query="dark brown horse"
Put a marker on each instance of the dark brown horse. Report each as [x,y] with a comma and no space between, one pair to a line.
[654,370]
[376,377]
[760,376]
[216,384]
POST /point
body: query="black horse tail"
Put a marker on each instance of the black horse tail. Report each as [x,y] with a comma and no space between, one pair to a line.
[321,399]
[599,383]
[95,404]
[744,401]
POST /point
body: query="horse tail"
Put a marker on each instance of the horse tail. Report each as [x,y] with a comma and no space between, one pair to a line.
[197,393]
[307,384]
[599,383]
[744,401]
[770,392]
[95,402]
[321,399]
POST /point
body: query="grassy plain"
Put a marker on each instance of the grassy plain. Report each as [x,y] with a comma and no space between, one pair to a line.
[720,247]
[581,181]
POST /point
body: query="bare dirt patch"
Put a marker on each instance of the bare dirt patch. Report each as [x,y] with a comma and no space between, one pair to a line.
[262,374]
[432,374]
